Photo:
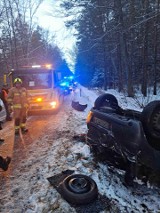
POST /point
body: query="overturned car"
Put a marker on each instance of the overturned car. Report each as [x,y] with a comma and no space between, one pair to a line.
[126,137]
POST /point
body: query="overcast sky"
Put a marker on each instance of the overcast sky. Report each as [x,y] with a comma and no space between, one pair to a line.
[49,18]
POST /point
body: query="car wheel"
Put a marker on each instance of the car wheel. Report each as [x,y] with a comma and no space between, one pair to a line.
[150,118]
[106,100]
[78,189]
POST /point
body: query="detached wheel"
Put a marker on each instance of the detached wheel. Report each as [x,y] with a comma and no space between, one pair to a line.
[78,189]
[106,100]
[150,118]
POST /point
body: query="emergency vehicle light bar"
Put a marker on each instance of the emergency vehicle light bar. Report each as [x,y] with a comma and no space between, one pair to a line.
[36,66]
[47,66]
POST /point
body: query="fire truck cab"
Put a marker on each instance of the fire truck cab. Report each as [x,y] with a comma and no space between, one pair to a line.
[41,81]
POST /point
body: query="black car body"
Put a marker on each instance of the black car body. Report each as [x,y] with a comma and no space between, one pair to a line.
[132,135]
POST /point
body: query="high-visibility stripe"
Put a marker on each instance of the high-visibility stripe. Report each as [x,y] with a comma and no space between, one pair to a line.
[9,99]
[23,125]
[17,106]
[17,94]
[17,127]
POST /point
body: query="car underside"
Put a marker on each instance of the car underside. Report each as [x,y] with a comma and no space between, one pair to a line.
[126,138]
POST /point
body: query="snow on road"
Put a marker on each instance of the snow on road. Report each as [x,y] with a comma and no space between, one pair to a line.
[52,148]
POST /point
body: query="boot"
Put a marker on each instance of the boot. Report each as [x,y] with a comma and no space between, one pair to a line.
[16,131]
[24,130]
[5,163]
[8,118]
[1,125]
[1,140]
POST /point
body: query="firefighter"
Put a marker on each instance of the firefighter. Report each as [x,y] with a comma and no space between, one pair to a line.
[18,102]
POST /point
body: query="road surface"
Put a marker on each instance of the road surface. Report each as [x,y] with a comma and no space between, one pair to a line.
[18,147]
[50,148]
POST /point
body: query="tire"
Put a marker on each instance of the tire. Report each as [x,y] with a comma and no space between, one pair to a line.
[150,118]
[106,100]
[1,108]
[78,189]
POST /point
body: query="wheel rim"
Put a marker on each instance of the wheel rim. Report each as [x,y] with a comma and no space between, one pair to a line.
[79,185]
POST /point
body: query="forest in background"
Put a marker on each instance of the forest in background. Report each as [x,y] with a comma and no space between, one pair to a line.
[22,41]
[118,43]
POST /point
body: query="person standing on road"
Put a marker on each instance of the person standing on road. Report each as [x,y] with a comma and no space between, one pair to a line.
[18,102]
[3,96]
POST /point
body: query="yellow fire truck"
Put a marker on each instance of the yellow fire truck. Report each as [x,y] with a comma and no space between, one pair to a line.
[41,81]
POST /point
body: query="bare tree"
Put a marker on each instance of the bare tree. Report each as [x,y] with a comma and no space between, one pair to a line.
[17,29]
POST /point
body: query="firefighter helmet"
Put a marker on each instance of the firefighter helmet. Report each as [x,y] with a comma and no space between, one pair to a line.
[17,80]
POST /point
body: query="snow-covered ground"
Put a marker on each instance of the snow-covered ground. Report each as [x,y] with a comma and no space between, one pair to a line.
[26,189]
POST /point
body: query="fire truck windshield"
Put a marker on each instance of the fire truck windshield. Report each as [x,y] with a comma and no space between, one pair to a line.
[32,81]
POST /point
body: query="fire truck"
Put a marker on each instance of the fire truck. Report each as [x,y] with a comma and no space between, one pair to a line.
[41,81]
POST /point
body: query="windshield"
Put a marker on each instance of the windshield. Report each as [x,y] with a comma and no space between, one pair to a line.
[36,80]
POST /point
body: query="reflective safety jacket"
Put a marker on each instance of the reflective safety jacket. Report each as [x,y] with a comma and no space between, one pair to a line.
[18,98]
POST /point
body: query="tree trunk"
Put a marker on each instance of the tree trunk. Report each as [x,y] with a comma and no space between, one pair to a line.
[155,52]
[123,49]
[145,53]
[120,73]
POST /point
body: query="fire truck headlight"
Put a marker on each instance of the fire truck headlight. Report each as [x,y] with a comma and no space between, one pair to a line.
[39,99]
[53,104]
[48,66]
